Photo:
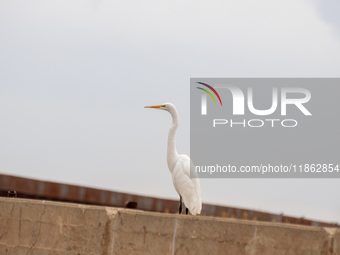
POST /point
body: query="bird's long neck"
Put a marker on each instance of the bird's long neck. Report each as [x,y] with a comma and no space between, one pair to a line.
[172,154]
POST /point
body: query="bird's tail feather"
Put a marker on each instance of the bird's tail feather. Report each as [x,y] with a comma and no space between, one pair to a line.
[195,207]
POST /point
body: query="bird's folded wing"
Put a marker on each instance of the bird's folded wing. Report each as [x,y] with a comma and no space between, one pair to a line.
[186,187]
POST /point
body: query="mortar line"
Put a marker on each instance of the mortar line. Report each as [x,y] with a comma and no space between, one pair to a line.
[174,237]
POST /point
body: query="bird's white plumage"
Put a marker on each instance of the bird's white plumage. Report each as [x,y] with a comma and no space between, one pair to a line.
[188,188]
[179,165]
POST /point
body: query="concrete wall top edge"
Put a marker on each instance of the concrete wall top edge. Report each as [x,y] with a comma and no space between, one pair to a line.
[113,210]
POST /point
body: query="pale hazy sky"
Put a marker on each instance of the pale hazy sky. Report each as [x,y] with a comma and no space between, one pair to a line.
[75,76]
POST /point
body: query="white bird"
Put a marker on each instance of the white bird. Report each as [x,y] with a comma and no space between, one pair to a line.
[179,165]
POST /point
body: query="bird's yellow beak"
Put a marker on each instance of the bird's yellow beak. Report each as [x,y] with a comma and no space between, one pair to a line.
[155,106]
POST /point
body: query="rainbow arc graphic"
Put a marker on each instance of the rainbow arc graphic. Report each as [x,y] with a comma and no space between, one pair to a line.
[209,93]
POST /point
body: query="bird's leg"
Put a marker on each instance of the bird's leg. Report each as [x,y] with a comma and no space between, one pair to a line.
[180,205]
[186,211]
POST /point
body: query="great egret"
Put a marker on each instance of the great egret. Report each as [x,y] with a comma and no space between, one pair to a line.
[179,165]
